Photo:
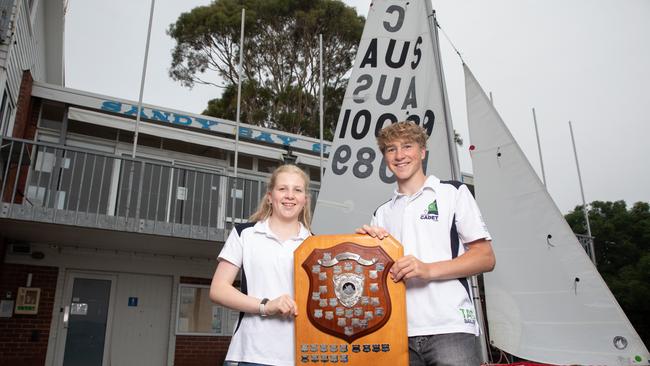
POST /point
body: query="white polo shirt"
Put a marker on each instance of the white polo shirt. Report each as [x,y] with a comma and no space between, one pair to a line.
[267,271]
[431,225]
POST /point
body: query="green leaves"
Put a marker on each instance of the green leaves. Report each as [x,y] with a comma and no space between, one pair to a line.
[281,58]
[622,246]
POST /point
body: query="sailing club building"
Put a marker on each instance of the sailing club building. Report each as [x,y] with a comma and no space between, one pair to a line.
[105,259]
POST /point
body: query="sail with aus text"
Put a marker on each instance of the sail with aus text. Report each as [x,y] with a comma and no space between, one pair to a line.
[396,76]
[545,299]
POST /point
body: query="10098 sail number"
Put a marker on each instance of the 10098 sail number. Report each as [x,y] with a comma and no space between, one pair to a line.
[362,166]
[361,162]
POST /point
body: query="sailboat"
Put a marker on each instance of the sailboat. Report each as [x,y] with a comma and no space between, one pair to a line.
[545,300]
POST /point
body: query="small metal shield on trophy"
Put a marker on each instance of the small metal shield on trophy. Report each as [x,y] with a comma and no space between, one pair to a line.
[348,288]
[343,275]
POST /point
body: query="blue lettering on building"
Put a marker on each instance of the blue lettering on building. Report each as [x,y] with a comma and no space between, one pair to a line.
[316,148]
[245,132]
[134,110]
[159,115]
[286,140]
[264,136]
[207,124]
[180,119]
[111,106]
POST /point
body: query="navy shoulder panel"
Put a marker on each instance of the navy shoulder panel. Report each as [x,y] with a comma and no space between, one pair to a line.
[241,227]
[375,213]
[454,183]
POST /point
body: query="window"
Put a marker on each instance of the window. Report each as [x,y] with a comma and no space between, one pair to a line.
[243,161]
[197,315]
[52,115]
[5,22]
[247,195]
[313,172]
[6,109]
[194,149]
[267,166]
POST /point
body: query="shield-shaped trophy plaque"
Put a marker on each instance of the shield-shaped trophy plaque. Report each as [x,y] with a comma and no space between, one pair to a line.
[350,311]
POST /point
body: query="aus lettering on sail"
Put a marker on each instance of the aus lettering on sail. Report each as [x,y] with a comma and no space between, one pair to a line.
[391,83]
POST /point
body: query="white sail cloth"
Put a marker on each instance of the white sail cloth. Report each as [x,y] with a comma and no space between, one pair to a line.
[396,76]
[545,300]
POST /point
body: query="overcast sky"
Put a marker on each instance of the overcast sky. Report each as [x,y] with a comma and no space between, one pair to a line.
[587,61]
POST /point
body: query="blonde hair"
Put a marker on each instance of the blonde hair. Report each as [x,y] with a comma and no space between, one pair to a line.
[264,210]
[407,130]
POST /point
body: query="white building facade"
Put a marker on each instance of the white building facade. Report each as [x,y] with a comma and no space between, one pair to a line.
[106,259]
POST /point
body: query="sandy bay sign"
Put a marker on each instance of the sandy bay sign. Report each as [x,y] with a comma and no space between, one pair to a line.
[215,125]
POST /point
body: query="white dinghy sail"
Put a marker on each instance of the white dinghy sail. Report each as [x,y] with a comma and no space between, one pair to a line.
[545,300]
[397,75]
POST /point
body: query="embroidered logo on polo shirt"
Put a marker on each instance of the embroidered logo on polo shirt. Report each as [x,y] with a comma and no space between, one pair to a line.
[431,213]
[468,316]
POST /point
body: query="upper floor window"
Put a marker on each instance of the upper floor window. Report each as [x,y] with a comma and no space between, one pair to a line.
[52,115]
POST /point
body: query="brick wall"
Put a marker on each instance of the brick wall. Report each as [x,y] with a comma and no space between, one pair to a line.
[200,350]
[23,338]
[195,281]
[24,126]
[3,250]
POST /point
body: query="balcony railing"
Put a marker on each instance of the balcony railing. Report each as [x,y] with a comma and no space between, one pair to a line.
[64,185]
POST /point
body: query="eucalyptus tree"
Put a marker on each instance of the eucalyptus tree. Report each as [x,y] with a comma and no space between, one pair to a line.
[281,58]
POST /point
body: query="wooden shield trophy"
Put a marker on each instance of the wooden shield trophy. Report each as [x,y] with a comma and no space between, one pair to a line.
[350,311]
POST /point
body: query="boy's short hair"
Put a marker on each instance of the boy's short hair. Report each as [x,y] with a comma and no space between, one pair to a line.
[407,130]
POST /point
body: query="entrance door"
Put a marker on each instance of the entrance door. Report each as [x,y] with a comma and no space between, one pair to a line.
[86,318]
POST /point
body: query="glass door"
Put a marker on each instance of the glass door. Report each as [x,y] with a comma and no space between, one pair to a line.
[87,314]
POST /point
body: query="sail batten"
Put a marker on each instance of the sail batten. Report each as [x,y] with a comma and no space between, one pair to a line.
[545,300]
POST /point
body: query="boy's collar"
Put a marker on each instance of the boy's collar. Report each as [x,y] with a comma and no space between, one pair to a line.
[430,183]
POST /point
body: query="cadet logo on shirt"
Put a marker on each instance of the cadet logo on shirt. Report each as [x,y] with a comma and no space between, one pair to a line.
[431,213]
[468,316]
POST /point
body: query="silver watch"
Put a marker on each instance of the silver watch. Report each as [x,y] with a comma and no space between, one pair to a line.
[262,306]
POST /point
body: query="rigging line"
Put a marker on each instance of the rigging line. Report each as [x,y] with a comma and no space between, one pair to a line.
[447,37]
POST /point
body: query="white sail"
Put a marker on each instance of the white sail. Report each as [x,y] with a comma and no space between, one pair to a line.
[545,300]
[396,76]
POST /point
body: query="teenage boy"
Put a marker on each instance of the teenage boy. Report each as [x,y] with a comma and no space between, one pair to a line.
[432,218]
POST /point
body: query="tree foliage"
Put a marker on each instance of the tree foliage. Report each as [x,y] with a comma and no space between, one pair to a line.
[281,58]
[622,247]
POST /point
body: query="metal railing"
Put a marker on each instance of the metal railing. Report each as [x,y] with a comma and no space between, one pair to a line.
[587,243]
[65,185]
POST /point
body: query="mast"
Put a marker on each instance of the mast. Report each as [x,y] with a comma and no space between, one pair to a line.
[582,194]
[142,79]
[320,101]
[539,148]
[137,118]
[455,167]
[453,153]
[239,72]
